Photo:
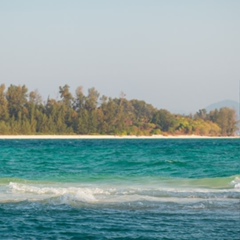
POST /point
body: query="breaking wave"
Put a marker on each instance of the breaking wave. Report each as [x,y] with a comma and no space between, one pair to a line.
[189,191]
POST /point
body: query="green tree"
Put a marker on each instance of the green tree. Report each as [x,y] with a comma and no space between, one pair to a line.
[227,120]
[143,112]
[164,120]
[34,106]
[91,104]
[80,124]
[67,107]
[3,104]
[201,114]
[79,101]
[17,100]
[66,95]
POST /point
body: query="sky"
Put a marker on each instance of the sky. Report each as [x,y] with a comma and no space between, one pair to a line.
[177,55]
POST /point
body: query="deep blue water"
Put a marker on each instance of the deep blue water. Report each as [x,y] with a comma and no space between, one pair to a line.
[120,189]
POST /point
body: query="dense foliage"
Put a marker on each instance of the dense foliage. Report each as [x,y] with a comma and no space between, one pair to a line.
[25,113]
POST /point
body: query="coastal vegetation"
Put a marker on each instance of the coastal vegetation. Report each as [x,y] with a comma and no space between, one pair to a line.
[23,112]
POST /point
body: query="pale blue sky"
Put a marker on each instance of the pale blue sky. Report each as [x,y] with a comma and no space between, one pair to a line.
[179,55]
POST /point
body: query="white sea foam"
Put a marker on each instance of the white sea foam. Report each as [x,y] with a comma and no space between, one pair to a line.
[236,183]
[71,194]
[81,194]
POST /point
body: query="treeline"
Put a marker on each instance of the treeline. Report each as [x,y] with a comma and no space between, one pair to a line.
[23,112]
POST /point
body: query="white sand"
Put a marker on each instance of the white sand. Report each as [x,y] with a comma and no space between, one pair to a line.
[106,137]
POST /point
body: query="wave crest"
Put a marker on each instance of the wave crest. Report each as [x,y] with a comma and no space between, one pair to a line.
[236,183]
[80,194]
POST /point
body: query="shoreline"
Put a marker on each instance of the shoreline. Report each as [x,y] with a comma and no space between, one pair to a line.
[113,137]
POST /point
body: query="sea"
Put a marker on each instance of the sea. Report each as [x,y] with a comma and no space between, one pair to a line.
[120,189]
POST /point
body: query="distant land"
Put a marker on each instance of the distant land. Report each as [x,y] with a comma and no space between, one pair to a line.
[217,105]
[225,103]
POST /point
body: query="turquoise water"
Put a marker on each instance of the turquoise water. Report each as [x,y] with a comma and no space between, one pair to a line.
[120,189]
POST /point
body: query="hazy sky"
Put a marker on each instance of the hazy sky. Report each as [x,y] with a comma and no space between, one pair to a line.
[179,55]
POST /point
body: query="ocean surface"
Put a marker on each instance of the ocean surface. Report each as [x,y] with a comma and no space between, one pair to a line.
[120,189]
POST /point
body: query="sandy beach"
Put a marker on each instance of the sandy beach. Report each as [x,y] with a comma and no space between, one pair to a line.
[109,137]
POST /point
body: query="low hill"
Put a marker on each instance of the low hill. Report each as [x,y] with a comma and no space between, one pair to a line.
[225,103]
